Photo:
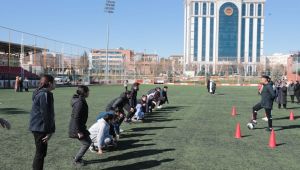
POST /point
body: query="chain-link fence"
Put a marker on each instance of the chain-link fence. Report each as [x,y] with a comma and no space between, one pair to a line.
[28,56]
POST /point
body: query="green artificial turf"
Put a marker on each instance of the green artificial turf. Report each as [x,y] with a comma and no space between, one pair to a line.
[195,131]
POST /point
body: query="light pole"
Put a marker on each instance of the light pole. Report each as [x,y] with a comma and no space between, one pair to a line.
[109,9]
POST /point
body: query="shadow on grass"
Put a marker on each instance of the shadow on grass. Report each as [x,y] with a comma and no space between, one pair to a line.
[13,111]
[287,127]
[124,145]
[280,144]
[140,129]
[141,165]
[293,108]
[286,117]
[133,135]
[245,136]
[172,108]
[131,155]
[149,120]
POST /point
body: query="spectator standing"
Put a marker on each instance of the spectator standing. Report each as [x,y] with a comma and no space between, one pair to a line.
[291,91]
[42,124]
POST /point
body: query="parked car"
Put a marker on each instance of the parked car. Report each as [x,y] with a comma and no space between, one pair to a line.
[62,80]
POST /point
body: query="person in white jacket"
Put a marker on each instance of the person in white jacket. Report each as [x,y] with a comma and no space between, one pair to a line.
[100,136]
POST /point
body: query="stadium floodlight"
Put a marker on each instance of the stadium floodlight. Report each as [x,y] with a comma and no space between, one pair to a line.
[109,9]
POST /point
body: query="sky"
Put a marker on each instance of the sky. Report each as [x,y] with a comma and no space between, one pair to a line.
[154,26]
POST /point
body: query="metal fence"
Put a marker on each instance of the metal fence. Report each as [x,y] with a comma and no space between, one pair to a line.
[29,56]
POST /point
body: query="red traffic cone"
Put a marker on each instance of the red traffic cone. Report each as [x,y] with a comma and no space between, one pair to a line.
[233,112]
[238,131]
[292,116]
[272,141]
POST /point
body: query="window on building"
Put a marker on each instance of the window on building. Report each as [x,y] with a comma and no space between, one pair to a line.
[212,8]
[204,8]
[244,10]
[251,9]
[259,10]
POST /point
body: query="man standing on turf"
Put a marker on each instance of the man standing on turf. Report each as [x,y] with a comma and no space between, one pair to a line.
[267,99]
[42,123]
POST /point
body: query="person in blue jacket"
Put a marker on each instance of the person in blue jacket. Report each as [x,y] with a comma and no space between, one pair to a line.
[42,124]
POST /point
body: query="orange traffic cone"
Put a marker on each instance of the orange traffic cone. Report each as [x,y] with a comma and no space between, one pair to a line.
[238,131]
[233,112]
[272,141]
[292,116]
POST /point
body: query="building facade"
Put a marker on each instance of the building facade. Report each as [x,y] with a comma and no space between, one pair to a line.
[223,31]
[120,62]
[293,67]
[177,62]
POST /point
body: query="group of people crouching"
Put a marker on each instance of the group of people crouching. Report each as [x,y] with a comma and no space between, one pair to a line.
[105,132]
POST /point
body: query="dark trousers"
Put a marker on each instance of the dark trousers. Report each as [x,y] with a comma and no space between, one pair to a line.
[258,107]
[293,98]
[149,106]
[279,106]
[40,152]
[86,143]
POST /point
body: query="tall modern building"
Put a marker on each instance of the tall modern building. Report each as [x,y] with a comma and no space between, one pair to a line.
[219,32]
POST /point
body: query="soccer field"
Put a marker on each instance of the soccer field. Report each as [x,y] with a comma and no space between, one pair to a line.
[195,131]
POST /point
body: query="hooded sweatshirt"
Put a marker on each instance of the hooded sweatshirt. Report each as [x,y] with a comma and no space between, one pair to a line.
[99,132]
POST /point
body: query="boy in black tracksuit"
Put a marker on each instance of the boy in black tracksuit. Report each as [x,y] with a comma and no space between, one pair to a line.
[163,97]
[267,99]
[133,99]
[118,105]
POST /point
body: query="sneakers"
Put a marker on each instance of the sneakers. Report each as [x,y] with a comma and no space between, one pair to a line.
[159,107]
[265,119]
[93,149]
[254,122]
[269,129]
[137,120]
[79,163]
[127,120]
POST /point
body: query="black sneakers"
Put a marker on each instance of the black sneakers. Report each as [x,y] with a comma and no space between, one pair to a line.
[79,163]
[269,129]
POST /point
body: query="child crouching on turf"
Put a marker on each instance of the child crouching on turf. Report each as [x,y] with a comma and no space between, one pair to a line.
[140,109]
[100,134]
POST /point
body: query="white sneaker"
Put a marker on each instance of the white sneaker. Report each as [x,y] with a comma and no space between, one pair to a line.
[92,149]
[265,119]
[160,107]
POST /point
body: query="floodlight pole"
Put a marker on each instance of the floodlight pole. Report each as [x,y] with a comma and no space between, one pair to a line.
[109,9]
[106,63]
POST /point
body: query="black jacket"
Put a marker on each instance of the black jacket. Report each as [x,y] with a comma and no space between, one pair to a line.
[153,95]
[144,105]
[79,117]
[42,113]
[267,96]
[297,89]
[165,96]
[133,99]
[118,104]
